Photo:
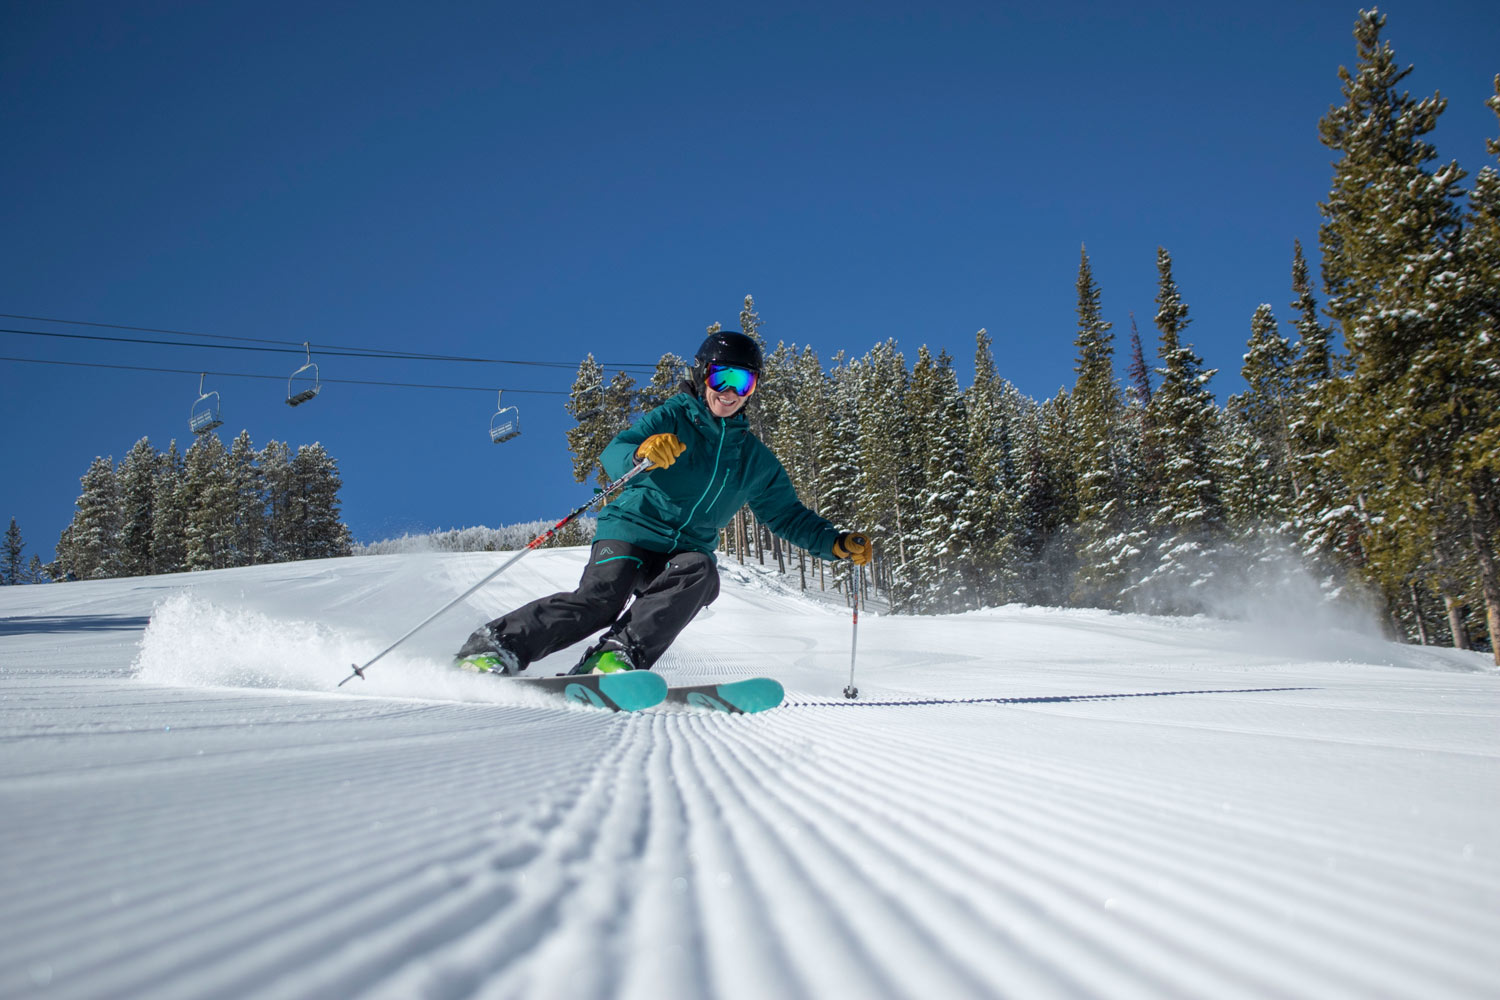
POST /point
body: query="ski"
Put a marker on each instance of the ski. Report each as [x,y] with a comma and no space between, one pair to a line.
[627,691]
[757,694]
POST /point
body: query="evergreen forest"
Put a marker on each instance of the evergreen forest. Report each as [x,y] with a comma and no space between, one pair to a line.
[211,508]
[1360,467]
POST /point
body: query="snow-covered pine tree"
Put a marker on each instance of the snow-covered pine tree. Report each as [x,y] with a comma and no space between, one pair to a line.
[838,445]
[281,505]
[936,429]
[885,474]
[1104,547]
[249,535]
[169,513]
[1139,388]
[1188,521]
[137,478]
[1262,494]
[35,571]
[90,546]
[1391,262]
[1476,454]
[210,516]
[665,381]
[1048,502]
[320,533]
[800,428]
[10,555]
[750,323]
[588,406]
[990,408]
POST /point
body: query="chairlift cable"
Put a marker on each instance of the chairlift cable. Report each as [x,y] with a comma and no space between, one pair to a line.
[279,378]
[287,345]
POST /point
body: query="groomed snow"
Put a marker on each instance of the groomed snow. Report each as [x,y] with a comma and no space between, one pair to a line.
[1023,802]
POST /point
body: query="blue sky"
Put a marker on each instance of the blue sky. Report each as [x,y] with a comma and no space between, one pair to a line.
[536,184]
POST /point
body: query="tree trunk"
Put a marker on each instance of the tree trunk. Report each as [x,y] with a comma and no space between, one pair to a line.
[1482,530]
[1456,623]
[1416,607]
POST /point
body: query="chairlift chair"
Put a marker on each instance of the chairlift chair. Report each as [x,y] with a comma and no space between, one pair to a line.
[506,423]
[303,383]
[205,415]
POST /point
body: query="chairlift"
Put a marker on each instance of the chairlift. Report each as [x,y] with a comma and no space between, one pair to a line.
[205,414]
[303,383]
[506,423]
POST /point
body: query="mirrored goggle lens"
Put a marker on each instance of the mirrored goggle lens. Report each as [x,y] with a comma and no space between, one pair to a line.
[723,378]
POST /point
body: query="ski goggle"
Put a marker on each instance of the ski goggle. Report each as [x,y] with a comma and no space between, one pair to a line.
[727,378]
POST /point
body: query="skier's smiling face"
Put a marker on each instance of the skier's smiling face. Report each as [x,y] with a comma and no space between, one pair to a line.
[723,404]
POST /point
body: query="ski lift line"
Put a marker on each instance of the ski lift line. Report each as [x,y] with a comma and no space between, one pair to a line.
[279,350]
[278,378]
[354,352]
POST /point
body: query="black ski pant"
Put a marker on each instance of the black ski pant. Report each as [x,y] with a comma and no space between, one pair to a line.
[669,588]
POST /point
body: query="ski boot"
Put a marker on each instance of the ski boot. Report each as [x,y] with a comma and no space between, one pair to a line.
[610,656]
[488,653]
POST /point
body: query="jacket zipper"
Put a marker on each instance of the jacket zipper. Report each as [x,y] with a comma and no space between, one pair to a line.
[718,456]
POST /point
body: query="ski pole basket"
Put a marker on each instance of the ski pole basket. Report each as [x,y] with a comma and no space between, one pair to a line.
[303,383]
[506,423]
[205,414]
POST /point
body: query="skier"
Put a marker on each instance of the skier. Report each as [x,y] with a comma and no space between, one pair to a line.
[656,540]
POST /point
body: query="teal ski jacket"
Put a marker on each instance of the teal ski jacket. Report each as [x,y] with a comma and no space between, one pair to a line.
[724,467]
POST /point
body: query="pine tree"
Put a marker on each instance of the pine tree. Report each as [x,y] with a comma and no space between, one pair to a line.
[839,452]
[934,416]
[169,513]
[137,476]
[35,572]
[210,517]
[670,372]
[282,506]
[1475,356]
[1188,520]
[750,323]
[1392,264]
[601,412]
[1048,502]
[990,448]
[10,556]
[90,546]
[1264,416]
[884,476]
[248,538]
[1103,517]
[1139,389]
[319,532]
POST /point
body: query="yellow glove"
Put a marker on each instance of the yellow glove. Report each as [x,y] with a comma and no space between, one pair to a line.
[855,547]
[661,450]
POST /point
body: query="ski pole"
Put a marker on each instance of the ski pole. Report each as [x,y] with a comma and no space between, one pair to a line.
[535,543]
[859,584]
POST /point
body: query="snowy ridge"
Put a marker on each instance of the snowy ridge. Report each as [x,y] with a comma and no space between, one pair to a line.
[1023,802]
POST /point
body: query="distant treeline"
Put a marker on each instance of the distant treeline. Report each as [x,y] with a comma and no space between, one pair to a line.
[213,508]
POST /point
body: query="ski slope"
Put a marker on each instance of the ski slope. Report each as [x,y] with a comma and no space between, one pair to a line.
[1023,802]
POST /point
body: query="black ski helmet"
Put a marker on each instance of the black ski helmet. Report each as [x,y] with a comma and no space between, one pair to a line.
[725,348]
